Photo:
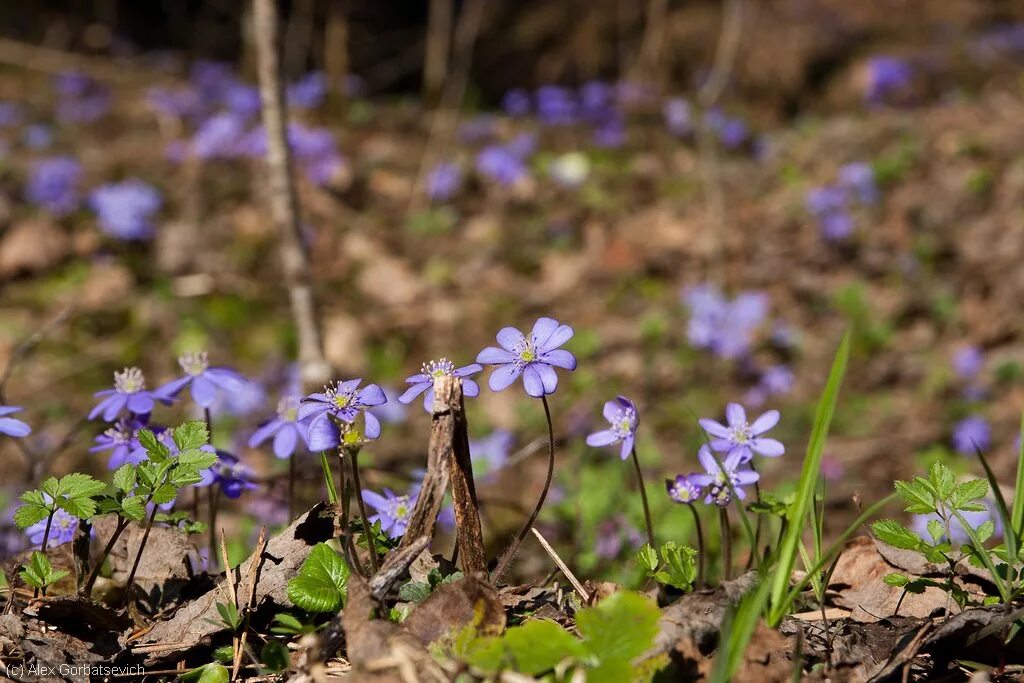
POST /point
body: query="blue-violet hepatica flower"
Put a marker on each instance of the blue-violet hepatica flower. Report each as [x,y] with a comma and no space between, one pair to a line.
[623,419]
[722,477]
[129,392]
[342,402]
[423,381]
[534,357]
[284,427]
[683,489]
[742,437]
[393,511]
[11,426]
[203,380]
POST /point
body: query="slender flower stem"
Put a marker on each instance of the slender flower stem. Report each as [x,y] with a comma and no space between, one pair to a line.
[512,549]
[332,492]
[211,512]
[700,544]
[760,519]
[122,524]
[42,546]
[291,487]
[371,543]
[142,545]
[725,541]
[643,497]
[347,544]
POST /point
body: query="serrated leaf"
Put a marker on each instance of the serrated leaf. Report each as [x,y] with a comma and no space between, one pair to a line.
[184,475]
[322,583]
[895,534]
[943,479]
[936,530]
[191,435]
[39,573]
[77,485]
[968,492]
[83,508]
[681,564]
[919,500]
[164,493]
[197,459]
[51,487]
[29,514]
[124,478]
[897,580]
[156,451]
[647,557]
[133,508]
[539,644]
[620,627]
[985,530]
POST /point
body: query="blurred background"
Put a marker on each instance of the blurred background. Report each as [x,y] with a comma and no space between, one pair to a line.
[708,192]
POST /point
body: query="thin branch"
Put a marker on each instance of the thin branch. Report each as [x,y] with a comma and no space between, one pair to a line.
[284,203]
[584,594]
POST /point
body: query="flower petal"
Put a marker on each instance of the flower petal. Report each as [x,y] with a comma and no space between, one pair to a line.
[173,388]
[494,356]
[532,381]
[372,430]
[611,410]
[467,370]
[707,461]
[562,334]
[310,408]
[714,428]
[762,424]
[12,427]
[374,500]
[372,395]
[510,339]
[264,433]
[559,358]
[548,376]
[284,442]
[503,376]
[627,447]
[414,391]
[735,414]
[605,437]
[8,410]
[204,392]
[470,388]
[226,378]
[322,433]
[770,448]
[542,330]
[140,403]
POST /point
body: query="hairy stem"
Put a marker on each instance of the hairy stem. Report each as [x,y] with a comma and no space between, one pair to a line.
[371,544]
[643,498]
[512,549]
[700,544]
[122,524]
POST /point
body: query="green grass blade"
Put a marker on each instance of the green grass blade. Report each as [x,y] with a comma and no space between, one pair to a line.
[1009,532]
[739,626]
[332,490]
[1018,488]
[808,480]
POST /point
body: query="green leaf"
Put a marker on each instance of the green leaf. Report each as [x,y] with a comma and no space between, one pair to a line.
[208,673]
[943,479]
[183,475]
[156,451]
[540,644]
[647,557]
[788,546]
[83,508]
[936,530]
[487,654]
[985,530]
[895,534]
[414,591]
[199,460]
[289,625]
[681,565]
[897,580]
[225,654]
[29,514]
[621,627]
[322,583]
[51,487]
[133,508]
[39,573]
[229,614]
[124,478]
[967,492]
[274,655]
[77,485]
[164,494]
[919,499]
[191,435]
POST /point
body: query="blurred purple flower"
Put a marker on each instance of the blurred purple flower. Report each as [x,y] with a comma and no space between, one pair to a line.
[53,185]
[284,427]
[535,358]
[180,103]
[393,511]
[129,392]
[81,99]
[624,419]
[242,100]
[423,381]
[391,412]
[556,106]
[516,102]
[613,535]
[229,474]
[887,77]
[500,165]
[479,128]
[62,530]
[724,327]
[444,181]
[678,117]
[490,453]
[38,136]
[859,178]
[610,133]
[308,92]
[122,441]
[203,380]
[10,114]
[125,210]
[597,101]
[683,489]
[218,137]
[968,361]
[971,433]
[10,426]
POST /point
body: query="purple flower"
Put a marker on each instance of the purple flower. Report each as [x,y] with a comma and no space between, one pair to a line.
[971,433]
[479,128]
[38,136]
[968,361]
[732,132]
[836,226]
[444,181]
[720,480]
[81,99]
[597,101]
[218,137]
[498,163]
[229,474]
[516,102]
[743,438]
[62,530]
[129,392]
[678,117]
[859,178]
[535,358]
[778,379]
[613,534]
[683,489]
[623,417]
[122,442]
[887,77]
[308,92]
[10,114]
[53,184]
[490,453]
[393,511]
[10,426]
[180,103]
[423,381]
[822,201]
[285,428]
[242,100]
[556,106]
[126,209]
[610,133]
[339,403]
[203,380]
[724,327]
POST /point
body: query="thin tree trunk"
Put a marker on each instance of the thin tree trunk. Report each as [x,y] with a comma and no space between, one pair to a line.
[439,38]
[284,202]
